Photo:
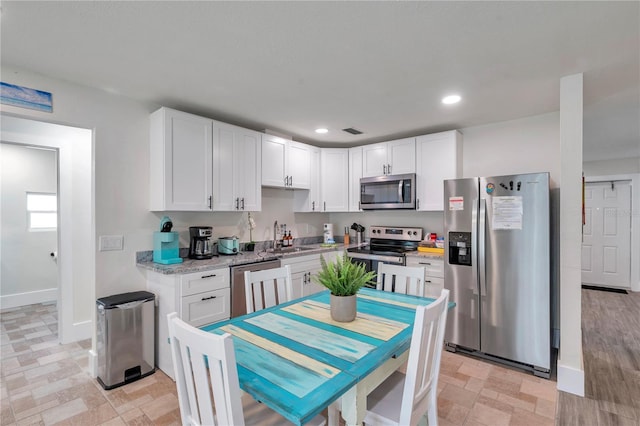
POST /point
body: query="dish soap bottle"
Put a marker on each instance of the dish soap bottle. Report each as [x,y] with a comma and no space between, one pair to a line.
[346,235]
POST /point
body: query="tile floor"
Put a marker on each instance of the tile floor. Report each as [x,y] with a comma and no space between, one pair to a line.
[45,383]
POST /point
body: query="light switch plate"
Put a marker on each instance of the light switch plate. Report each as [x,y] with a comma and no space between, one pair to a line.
[111,242]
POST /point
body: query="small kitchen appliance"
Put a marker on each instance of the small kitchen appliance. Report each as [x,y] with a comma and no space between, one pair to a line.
[386,245]
[166,248]
[497,268]
[228,245]
[327,233]
[200,246]
[389,192]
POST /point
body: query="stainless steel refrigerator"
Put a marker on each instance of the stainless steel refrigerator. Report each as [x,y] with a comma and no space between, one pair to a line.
[497,270]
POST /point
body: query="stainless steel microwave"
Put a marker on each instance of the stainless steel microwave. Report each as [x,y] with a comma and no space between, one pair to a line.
[388,192]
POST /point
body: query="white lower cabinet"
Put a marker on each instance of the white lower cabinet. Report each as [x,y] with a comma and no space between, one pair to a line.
[199,298]
[303,268]
[433,273]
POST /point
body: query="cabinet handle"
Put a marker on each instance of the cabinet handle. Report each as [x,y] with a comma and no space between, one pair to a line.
[207,276]
[208,298]
[291,181]
[389,168]
[242,203]
[427,281]
[418,204]
[313,206]
[325,206]
[384,169]
[210,202]
[424,263]
[286,180]
[237,203]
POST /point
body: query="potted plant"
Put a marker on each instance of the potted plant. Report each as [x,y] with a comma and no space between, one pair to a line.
[343,278]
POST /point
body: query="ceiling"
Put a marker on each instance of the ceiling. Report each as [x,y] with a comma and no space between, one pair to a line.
[380,67]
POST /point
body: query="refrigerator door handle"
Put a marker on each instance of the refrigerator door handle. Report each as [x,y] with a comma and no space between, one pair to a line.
[482,223]
[475,257]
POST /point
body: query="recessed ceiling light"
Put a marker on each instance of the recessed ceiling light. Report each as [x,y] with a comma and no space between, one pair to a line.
[322,130]
[451,99]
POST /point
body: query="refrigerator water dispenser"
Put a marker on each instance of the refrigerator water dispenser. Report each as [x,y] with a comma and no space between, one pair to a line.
[460,248]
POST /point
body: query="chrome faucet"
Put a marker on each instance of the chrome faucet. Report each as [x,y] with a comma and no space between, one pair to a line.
[275,235]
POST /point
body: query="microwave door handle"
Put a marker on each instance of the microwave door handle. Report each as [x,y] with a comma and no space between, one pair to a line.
[400,184]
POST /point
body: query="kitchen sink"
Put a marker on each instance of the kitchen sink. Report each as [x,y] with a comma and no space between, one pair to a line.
[283,250]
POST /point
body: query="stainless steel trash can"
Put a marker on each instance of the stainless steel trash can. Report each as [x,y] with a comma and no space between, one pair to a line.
[125,338]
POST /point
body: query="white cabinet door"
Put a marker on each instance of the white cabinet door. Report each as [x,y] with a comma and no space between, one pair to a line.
[355,173]
[434,273]
[309,201]
[298,161]
[374,160]
[438,157]
[334,175]
[223,170]
[401,156]
[180,161]
[237,171]
[273,161]
[387,158]
[248,170]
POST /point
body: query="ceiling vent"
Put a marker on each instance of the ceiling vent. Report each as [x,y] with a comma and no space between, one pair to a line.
[352,131]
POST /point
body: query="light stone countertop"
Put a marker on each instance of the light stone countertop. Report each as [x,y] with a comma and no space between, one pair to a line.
[223,261]
[425,255]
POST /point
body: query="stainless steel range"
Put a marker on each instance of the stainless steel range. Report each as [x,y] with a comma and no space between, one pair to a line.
[386,245]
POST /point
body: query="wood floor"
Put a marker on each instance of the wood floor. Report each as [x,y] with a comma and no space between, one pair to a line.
[45,383]
[611,351]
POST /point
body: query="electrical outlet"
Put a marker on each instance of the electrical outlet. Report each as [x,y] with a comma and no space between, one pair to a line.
[111,242]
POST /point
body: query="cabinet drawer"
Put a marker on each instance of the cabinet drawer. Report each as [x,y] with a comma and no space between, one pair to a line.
[433,267]
[205,308]
[204,281]
[433,286]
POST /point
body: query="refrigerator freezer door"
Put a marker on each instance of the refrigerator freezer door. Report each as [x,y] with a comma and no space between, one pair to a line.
[460,273]
[515,310]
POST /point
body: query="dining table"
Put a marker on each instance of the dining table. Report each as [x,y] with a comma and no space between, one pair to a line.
[297,360]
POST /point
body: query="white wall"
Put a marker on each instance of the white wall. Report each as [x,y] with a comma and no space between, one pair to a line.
[612,167]
[526,145]
[28,274]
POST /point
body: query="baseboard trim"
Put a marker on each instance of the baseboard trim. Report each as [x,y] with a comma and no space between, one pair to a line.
[82,330]
[29,298]
[93,364]
[570,379]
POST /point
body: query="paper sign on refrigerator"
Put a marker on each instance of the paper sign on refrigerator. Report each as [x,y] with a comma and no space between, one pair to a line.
[507,213]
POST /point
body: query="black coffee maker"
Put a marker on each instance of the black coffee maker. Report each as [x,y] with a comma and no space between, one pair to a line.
[200,246]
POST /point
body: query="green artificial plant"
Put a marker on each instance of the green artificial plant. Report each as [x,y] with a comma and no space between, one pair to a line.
[343,277]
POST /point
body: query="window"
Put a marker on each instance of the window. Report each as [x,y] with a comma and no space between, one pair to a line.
[42,211]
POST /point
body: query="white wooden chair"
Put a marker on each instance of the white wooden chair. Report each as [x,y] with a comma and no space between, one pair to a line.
[404,399]
[401,279]
[267,288]
[207,381]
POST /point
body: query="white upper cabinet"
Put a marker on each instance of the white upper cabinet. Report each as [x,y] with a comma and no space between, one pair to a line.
[237,168]
[389,158]
[309,201]
[438,157]
[198,164]
[334,175]
[285,163]
[180,161]
[355,173]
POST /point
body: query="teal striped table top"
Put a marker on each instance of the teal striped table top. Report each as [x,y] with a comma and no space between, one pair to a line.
[297,360]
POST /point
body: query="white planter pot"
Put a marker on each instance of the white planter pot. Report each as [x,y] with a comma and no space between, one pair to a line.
[343,308]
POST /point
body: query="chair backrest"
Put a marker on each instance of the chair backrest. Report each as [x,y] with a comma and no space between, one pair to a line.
[401,279]
[267,288]
[206,375]
[423,365]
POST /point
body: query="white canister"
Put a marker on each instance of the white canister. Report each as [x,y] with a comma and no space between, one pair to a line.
[328,233]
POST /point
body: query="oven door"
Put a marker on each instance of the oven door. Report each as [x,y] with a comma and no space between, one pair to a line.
[388,192]
[371,261]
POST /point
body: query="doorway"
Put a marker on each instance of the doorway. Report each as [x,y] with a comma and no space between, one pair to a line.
[76,231]
[29,225]
[606,245]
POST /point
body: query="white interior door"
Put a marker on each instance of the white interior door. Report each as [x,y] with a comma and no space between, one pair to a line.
[606,246]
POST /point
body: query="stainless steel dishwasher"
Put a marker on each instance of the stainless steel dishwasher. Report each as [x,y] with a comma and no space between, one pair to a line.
[238,299]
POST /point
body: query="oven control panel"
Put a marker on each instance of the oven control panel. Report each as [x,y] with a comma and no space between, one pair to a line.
[392,233]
